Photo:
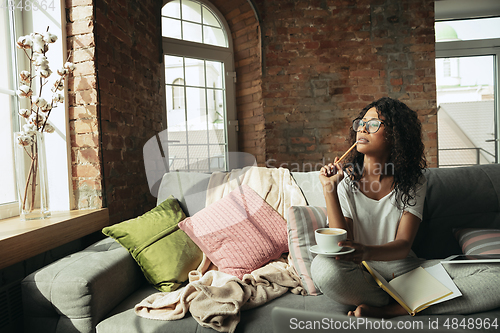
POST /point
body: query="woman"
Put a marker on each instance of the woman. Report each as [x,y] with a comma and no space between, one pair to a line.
[380,202]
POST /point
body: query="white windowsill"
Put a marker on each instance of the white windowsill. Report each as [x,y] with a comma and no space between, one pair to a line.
[20,240]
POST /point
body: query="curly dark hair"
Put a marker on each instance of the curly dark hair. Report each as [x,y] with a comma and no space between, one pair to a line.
[404,132]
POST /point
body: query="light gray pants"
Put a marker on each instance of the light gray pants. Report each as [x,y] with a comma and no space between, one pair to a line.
[349,283]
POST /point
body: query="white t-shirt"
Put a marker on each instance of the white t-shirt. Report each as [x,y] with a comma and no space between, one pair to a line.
[376,222]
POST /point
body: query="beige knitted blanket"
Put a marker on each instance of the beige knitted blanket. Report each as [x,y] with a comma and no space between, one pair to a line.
[215,299]
[275,185]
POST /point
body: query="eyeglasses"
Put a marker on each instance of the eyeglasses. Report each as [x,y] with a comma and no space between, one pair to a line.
[371,125]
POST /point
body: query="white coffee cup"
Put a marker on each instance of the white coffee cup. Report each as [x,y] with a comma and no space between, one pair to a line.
[327,239]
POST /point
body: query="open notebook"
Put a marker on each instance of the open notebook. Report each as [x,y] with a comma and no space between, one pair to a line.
[419,288]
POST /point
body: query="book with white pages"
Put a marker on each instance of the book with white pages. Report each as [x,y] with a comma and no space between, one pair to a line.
[418,289]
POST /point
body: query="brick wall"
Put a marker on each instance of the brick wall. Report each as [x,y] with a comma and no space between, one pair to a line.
[245,32]
[130,92]
[325,60]
[84,122]
[115,101]
[303,72]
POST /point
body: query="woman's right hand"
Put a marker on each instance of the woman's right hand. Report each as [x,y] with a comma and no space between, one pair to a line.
[331,175]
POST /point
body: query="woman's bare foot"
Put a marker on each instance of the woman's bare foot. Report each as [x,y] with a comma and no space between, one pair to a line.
[389,311]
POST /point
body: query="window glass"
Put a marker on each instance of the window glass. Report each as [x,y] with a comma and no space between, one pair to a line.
[466,82]
[466,110]
[192,21]
[178,94]
[196,90]
[214,72]
[472,29]
[195,114]
[174,68]
[7,176]
[5,51]
[171,28]
[14,24]
[172,9]
[195,72]
[210,19]
[191,11]
[7,113]
[192,32]
[213,36]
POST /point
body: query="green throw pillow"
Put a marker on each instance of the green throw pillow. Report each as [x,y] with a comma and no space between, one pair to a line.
[164,252]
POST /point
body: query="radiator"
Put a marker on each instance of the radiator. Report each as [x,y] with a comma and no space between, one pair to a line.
[11,308]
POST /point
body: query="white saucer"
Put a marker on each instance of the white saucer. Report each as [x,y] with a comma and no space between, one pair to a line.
[316,250]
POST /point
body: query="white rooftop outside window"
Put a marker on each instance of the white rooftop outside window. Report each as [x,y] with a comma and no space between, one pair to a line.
[473,29]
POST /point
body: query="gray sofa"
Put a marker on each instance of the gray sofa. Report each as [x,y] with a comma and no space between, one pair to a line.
[96,289]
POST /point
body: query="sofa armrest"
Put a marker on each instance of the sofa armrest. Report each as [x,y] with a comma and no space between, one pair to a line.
[75,293]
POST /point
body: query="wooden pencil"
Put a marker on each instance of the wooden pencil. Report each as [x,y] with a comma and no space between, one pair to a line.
[347,152]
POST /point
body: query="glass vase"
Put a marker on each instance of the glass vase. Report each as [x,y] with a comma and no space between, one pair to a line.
[31,176]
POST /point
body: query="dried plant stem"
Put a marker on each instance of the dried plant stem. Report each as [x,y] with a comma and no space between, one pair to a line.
[33,181]
[31,175]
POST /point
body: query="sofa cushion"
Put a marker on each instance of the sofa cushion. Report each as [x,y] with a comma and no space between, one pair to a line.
[311,187]
[302,221]
[190,189]
[479,241]
[239,233]
[165,254]
[465,197]
[74,293]
[255,320]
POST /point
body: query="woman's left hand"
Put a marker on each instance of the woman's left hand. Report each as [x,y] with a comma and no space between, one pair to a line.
[360,252]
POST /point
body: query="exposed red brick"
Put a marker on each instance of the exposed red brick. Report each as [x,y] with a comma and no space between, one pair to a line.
[300,81]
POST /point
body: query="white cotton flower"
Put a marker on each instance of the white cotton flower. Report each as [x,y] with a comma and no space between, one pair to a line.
[59,85]
[63,72]
[24,91]
[49,37]
[25,113]
[29,128]
[24,140]
[25,76]
[25,42]
[47,108]
[49,128]
[39,45]
[35,119]
[40,102]
[58,98]
[70,66]
[45,73]
[41,61]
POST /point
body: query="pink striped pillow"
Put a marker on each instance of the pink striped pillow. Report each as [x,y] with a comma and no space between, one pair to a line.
[302,221]
[239,233]
[479,241]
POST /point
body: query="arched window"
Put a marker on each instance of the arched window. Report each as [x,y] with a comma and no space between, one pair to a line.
[192,21]
[199,79]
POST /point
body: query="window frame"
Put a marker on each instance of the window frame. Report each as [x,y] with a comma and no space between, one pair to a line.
[482,47]
[15,21]
[60,188]
[183,48]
